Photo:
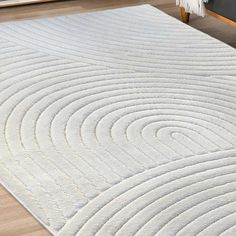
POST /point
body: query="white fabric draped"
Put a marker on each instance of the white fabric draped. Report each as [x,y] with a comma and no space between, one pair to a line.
[193,6]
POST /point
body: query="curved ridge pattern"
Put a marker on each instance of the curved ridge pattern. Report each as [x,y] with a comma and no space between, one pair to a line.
[119,127]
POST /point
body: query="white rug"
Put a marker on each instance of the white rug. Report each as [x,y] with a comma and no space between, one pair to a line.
[120,122]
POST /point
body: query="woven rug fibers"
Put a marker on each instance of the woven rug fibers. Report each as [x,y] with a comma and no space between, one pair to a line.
[120,122]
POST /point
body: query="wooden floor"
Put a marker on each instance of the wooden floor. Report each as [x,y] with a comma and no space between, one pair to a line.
[14,219]
[209,25]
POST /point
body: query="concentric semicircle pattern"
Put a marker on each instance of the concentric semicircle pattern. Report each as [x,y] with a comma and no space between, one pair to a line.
[121,122]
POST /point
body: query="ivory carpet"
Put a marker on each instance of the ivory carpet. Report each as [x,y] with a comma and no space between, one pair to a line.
[121,122]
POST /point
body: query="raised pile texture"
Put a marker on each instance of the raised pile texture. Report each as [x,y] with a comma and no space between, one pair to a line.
[121,122]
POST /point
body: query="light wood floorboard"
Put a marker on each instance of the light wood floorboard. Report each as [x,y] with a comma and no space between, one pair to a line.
[14,219]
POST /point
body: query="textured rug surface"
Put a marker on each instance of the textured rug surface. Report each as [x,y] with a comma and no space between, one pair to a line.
[120,122]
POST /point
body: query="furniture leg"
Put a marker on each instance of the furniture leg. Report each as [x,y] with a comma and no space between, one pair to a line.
[184,15]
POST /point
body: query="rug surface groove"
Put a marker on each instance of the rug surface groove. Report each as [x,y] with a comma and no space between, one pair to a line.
[120,122]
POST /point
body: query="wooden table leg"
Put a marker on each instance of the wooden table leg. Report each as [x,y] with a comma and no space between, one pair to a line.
[184,15]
